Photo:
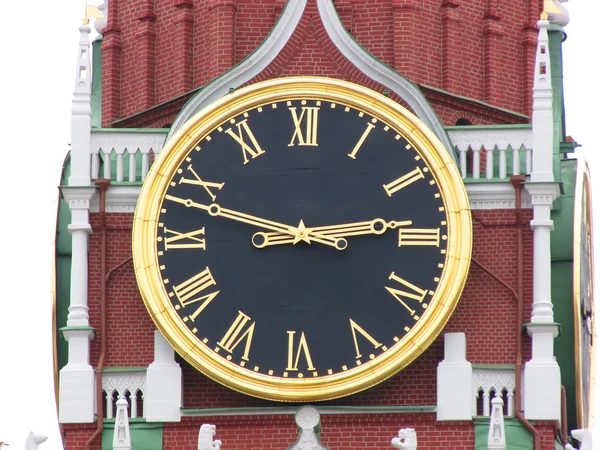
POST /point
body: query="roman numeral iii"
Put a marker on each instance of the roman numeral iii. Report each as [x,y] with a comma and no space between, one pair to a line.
[294,354]
[418,236]
[252,148]
[305,126]
[239,330]
[192,290]
[410,291]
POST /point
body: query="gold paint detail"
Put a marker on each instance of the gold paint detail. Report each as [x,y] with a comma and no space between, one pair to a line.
[413,292]
[419,236]
[176,240]
[243,129]
[156,293]
[302,349]
[270,372]
[305,126]
[360,142]
[237,332]
[354,327]
[403,181]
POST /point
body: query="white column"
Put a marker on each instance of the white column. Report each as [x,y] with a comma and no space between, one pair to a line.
[76,386]
[542,383]
[454,380]
[162,400]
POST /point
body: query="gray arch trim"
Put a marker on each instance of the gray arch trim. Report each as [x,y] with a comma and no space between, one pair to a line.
[382,73]
[248,68]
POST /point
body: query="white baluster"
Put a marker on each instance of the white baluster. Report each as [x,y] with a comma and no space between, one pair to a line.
[462,153]
[132,166]
[119,167]
[516,161]
[95,165]
[145,165]
[528,155]
[476,152]
[489,163]
[502,163]
[109,405]
[133,410]
[106,165]
[486,403]
[510,407]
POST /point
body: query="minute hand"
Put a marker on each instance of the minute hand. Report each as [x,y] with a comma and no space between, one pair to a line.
[375,226]
[215,210]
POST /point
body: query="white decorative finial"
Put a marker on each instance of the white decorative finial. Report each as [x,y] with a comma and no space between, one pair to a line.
[309,422]
[496,433]
[33,440]
[205,438]
[121,436]
[406,440]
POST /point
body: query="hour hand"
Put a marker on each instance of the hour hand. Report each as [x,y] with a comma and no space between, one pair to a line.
[375,226]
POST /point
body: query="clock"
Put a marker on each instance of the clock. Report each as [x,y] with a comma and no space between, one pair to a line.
[583,295]
[302,239]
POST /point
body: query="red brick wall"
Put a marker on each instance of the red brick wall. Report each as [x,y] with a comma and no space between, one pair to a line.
[465,48]
[486,313]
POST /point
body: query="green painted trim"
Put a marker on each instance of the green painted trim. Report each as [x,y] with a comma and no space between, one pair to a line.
[486,180]
[287,409]
[494,366]
[97,82]
[555,40]
[68,328]
[478,102]
[110,423]
[146,436]
[124,369]
[130,130]
[521,126]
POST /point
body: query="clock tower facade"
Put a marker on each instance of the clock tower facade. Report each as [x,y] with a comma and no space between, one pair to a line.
[342,204]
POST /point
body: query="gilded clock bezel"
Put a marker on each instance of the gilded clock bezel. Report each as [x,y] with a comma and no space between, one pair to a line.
[326,387]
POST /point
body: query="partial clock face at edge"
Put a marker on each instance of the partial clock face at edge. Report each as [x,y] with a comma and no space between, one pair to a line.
[296,242]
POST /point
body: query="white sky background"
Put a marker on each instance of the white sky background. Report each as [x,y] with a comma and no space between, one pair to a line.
[38,48]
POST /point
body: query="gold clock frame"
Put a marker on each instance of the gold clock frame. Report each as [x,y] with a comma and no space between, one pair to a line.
[354,380]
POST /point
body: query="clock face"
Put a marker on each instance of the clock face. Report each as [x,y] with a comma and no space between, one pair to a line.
[296,242]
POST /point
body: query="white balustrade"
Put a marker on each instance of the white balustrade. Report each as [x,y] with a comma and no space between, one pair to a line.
[127,384]
[489,383]
[495,142]
[112,149]
[124,155]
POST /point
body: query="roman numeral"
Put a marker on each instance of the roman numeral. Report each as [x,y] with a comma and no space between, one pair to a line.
[175,239]
[207,185]
[355,327]
[243,129]
[191,291]
[305,126]
[403,181]
[302,349]
[360,142]
[237,332]
[418,236]
[413,292]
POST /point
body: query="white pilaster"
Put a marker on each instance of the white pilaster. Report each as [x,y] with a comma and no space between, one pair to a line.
[542,384]
[121,435]
[76,386]
[163,384]
[454,380]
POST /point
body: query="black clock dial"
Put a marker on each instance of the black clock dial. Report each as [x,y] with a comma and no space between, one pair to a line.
[301,238]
